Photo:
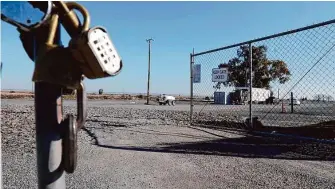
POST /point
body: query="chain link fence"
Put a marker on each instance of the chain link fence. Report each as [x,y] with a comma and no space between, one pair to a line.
[289,87]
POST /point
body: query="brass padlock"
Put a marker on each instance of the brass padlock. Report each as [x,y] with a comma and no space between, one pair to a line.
[56,65]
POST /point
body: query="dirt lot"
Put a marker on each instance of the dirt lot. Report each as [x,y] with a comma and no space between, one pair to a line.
[129,145]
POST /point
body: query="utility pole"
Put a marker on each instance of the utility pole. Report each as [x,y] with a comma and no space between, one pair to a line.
[148,84]
[1,71]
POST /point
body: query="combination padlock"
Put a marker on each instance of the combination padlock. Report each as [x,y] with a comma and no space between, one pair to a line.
[97,53]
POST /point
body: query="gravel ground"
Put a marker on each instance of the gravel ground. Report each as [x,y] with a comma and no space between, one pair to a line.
[125,146]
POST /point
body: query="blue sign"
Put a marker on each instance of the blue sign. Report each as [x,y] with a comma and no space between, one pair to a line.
[196,73]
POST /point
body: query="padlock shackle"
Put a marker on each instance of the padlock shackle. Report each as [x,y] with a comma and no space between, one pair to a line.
[70,20]
[52,29]
[81,106]
[84,12]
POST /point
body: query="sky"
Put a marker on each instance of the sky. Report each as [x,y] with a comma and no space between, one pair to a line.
[177,28]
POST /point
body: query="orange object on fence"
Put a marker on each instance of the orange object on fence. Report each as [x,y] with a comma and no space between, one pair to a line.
[283,110]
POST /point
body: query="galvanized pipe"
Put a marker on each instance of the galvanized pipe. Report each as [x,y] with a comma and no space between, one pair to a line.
[267,37]
[250,85]
[191,87]
[48,116]
[292,102]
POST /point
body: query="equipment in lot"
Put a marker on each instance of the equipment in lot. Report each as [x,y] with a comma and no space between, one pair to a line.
[240,95]
[295,102]
[219,98]
[166,99]
[270,100]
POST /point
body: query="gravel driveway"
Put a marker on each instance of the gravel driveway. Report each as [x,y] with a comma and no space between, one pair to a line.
[135,146]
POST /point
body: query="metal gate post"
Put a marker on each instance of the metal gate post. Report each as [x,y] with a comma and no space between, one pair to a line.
[48,116]
[191,87]
[292,102]
[250,85]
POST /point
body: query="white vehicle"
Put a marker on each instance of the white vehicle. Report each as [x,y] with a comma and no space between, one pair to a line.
[258,94]
[295,102]
[165,99]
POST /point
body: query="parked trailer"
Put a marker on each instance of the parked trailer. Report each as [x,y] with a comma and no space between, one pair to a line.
[258,94]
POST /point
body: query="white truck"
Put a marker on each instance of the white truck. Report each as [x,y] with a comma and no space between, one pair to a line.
[166,99]
[258,94]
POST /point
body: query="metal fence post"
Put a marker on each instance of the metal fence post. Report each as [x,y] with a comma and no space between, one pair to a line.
[48,116]
[250,85]
[191,87]
[292,102]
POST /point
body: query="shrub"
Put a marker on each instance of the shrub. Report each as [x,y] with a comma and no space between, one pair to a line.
[140,96]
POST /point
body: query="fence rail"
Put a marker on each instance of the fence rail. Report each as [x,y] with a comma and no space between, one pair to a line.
[283,82]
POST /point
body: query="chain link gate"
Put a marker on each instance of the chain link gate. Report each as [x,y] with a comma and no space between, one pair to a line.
[289,78]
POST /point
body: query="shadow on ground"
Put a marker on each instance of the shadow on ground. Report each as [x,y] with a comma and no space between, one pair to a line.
[247,146]
[105,123]
[323,130]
